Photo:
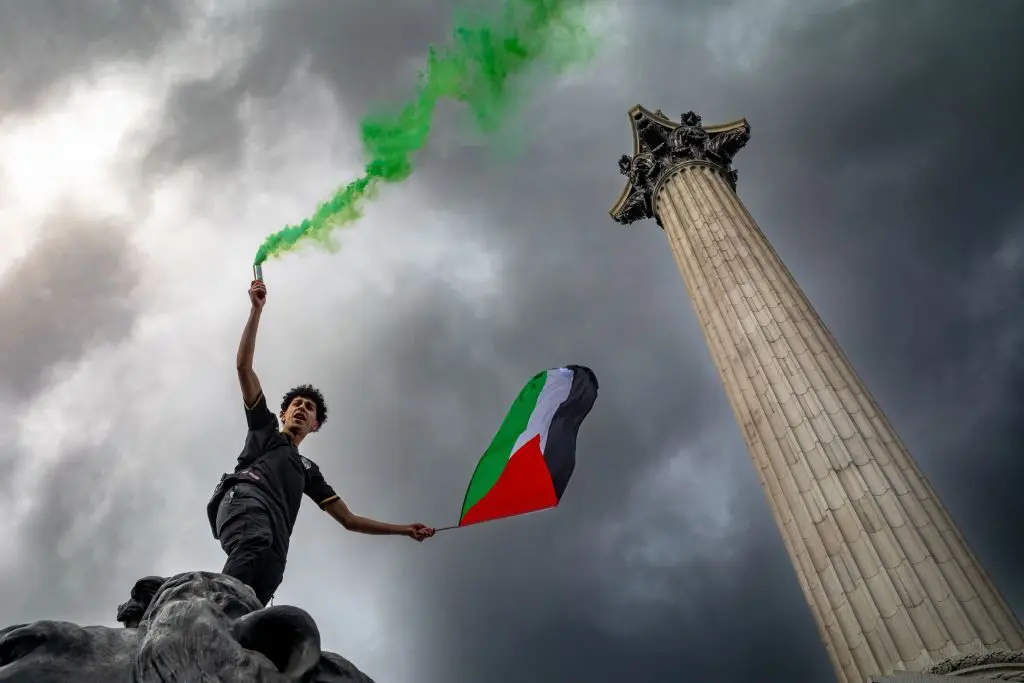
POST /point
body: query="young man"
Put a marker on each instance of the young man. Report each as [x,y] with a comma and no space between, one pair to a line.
[253,510]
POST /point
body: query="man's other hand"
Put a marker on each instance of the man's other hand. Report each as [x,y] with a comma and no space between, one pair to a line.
[257,295]
[418,532]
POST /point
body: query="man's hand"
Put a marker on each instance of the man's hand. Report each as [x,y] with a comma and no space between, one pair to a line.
[257,295]
[418,532]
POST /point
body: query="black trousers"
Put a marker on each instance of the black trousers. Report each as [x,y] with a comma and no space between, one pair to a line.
[256,545]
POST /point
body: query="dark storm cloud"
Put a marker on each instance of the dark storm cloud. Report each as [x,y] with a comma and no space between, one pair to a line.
[576,288]
[363,49]
[72,291]
[855,114]
[903,154]
[45,44]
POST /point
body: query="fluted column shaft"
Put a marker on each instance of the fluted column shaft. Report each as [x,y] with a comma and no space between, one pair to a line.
[889,579]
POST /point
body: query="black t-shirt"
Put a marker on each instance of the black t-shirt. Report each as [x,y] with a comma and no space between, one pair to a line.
[270,462]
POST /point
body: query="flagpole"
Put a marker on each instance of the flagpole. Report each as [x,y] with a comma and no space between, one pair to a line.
[485,521]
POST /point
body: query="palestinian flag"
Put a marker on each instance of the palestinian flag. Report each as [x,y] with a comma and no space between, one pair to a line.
[529,462]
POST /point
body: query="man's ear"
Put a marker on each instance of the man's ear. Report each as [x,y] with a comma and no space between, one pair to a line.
[316,426]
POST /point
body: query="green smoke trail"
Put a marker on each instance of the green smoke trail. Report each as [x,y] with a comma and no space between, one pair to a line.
[474,68]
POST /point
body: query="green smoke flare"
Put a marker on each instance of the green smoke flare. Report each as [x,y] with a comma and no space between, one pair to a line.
[474,68]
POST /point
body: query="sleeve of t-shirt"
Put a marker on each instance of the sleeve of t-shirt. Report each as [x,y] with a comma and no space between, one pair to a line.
[317,487]
[258,415]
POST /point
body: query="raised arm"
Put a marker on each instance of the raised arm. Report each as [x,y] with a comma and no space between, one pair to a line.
[247,378]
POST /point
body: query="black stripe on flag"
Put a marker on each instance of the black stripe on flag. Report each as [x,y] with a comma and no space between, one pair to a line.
[560,450]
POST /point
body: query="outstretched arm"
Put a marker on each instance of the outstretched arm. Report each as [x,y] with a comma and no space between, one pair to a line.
[247,378]
[364,525]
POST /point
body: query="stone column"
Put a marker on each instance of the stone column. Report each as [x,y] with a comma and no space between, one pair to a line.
[888,576]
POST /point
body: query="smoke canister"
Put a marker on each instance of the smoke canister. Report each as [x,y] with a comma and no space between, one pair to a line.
[257,272]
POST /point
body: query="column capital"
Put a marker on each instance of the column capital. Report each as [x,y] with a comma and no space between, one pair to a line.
[659,144]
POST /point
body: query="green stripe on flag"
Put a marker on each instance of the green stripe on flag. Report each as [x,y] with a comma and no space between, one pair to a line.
[493,462]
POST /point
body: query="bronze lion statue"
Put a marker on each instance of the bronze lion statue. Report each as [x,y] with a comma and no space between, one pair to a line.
[197,626]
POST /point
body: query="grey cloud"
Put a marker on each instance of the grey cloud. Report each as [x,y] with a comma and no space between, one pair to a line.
[73,290]
[79,527]
[854,112]
[46,44]
[518,599]
[910,161]
[726,630]
[360,48]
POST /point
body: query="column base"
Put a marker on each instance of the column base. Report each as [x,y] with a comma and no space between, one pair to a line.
[912,677]
[1005,665]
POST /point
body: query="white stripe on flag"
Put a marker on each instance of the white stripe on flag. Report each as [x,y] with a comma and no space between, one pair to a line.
[555,391]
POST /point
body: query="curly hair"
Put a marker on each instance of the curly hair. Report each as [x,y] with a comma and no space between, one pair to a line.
[312,393]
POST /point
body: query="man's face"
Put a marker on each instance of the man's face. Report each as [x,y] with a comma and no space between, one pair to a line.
[299,417]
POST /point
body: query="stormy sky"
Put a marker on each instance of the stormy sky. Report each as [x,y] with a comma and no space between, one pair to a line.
[147,147]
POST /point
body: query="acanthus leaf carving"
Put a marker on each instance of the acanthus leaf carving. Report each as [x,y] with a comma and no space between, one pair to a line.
[663,147]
